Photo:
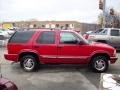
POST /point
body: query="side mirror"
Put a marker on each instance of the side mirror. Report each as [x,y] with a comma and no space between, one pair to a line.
[81,42]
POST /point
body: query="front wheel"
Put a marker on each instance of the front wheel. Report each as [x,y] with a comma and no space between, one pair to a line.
[99,64]
[29,63]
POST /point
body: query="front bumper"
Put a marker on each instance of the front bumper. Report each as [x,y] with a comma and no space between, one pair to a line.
[11,57]
[113,60]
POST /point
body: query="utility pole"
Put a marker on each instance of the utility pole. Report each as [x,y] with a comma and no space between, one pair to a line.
[102,6]
[104,14]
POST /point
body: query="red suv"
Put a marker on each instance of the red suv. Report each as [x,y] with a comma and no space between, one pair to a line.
[35,47]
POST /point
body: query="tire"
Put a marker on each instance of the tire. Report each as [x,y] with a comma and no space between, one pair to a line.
[29,63]
[99,64]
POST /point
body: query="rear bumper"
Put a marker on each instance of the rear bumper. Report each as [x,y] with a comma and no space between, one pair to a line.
[11,57]
[113,60]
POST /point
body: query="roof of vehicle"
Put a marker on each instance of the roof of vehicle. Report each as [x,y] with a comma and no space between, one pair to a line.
[110,28]
[54,30]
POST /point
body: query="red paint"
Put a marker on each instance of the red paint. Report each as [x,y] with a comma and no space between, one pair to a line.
[59,53]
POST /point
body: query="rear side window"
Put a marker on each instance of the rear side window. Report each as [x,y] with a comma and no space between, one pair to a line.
[114,32]
[46,37]
[21,36]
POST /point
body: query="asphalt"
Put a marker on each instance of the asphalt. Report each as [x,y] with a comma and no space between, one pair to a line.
[54,77]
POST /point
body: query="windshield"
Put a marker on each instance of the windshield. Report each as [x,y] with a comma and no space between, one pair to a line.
[98,31]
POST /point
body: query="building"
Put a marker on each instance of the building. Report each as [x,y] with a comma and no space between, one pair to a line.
[71,25]
[6,25]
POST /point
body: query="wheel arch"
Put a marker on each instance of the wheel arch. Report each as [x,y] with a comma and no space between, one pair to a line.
[29,53]
[98,54]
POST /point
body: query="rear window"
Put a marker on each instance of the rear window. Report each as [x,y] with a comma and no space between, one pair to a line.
[21,36]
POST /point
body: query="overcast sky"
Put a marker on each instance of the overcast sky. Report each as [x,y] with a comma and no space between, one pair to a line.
[79,10]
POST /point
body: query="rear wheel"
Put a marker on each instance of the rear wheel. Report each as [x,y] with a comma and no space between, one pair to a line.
[29,63]
[99,64]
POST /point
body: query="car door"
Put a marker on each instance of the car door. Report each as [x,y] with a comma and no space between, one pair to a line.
[46,45]
[115,37]
[69,49]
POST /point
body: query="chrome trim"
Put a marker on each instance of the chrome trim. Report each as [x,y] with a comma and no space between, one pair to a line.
[48,56]
[69,57]
[72,57]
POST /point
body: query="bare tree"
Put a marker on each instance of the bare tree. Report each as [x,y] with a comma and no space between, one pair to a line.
[111,20]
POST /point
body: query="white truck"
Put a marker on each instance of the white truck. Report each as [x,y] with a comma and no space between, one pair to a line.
[109,36]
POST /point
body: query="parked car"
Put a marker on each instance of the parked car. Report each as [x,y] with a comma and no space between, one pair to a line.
[3,34]
[109,36]
[10,32]
[32,48]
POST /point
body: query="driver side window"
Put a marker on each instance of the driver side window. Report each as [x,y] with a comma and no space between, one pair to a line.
[68,38]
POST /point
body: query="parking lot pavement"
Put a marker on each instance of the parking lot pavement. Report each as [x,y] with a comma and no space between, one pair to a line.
[54,77]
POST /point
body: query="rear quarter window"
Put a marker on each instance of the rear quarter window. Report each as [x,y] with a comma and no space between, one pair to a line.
[21,36]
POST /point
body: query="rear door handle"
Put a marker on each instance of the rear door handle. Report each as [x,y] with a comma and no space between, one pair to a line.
[36,46]
[60,46]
